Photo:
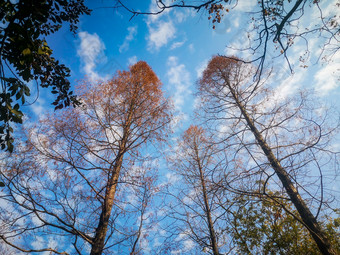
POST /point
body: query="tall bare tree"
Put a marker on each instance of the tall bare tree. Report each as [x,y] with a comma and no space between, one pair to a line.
[272,143]
[195,204]
[64,179]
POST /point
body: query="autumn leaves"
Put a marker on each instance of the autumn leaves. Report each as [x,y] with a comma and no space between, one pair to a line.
[84,175]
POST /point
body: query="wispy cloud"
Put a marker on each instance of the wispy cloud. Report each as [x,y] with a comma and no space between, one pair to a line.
[191,48]
[39,107]
[132,60]
[181,14]
[327,78]
[130,36]
[153,8]
[288,86]
[245,6]
[160,34]
[162,27]
[177,45]
[91,52]
[201,67]
[179,79]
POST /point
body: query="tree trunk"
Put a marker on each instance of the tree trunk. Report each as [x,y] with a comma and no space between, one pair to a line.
[134,246]
[307,217]
[99,239]
[207,207]
[144,204]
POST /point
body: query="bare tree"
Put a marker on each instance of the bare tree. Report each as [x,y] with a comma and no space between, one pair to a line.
[195,204]
[144,197]
[271,142]
[64,179]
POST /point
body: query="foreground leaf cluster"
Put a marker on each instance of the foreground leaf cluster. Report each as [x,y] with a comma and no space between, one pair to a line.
[27,58]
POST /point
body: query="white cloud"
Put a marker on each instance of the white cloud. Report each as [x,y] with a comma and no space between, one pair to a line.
[172,178]
[38,242]
[241,41]
[188,244]
[201,67]
[182,14]
[329,9]
[191,48]
[177,45]
[236,22]
[161,27]
[132,33]
[287,87]
[91,52]
[154,8]
[327,78]
[160,35]
[245,6]
[52,243]
[179,79]
[39,107]
[133,60]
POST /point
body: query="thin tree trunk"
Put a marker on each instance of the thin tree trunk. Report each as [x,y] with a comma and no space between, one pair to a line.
[307,217]
[133,250]
[207,207]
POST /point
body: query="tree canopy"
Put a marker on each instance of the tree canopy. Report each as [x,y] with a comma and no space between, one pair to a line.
[261,226]
[270,133]
[26,57]
[79,168]
[128,170]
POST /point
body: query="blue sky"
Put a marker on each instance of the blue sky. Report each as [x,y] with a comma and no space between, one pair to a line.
[177,45]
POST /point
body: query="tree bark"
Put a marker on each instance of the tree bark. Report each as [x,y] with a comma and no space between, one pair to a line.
[307,217]
[212,234]
[99,239]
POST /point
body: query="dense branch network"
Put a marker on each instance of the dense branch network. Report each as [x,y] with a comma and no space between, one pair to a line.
[275,25]
[267,138]
[76,173]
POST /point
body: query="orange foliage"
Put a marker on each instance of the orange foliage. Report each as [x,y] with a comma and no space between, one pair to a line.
[132,100]
[219,66]
[194,135]
[137,92]
[223,72]
[124,113]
